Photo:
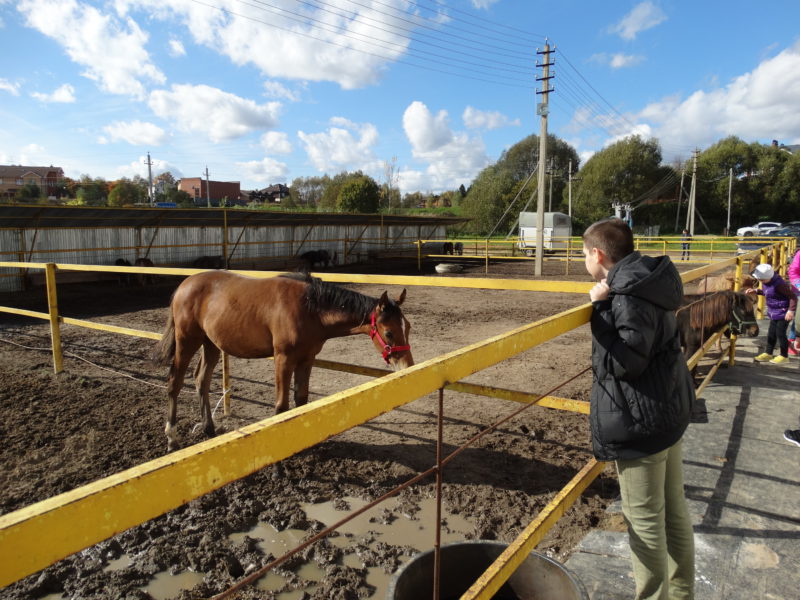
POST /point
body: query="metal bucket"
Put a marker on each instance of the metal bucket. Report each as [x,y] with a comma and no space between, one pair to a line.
[538,577]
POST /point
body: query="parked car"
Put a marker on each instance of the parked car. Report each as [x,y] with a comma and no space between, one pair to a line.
[788,231]
[758,229]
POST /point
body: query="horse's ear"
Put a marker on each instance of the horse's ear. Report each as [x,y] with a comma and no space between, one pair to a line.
[383,301]
[402,297]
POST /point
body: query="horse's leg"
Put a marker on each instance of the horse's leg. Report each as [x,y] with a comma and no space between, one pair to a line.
[283,380]
[302,375]
[184,350]
[202,381]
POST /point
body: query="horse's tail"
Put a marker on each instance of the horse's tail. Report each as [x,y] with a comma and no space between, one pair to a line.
[164,351]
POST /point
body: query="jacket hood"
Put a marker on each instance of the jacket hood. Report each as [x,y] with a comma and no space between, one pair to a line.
[652,278]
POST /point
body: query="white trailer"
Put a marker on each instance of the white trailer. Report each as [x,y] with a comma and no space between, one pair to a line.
[557,231]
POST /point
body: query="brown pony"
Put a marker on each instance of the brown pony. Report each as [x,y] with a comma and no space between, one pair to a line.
[141,278]
[723,281]
[289,317]
[703,315]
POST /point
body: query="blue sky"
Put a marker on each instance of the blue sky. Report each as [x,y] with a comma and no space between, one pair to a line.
[263,91]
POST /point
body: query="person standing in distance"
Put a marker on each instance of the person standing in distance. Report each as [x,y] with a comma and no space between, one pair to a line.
[641,403]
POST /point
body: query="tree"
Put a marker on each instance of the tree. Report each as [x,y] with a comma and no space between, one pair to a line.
[29,191]
[496,187]
[179,197]
[359,194]
[124,192]
[622,172]
[91,192]
[309,190]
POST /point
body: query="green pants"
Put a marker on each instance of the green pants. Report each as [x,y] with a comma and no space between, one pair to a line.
[659,526]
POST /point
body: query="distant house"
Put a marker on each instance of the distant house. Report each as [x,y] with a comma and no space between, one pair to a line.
[217,191]
[13,177]
[273,193]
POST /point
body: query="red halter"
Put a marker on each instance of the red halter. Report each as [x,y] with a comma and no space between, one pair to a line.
[387,349]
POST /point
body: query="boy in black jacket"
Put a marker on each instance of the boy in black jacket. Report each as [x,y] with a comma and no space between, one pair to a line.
[641,402]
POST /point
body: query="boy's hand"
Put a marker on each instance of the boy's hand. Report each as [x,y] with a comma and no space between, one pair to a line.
[789,316]
[600,291]
[751,291]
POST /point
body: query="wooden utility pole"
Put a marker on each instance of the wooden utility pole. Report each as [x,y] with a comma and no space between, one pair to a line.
[692,196]
[680,195]
[208,190]
[730,195]
[569,186]
[542,110]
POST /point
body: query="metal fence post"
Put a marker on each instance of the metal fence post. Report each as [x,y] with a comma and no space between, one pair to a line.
[52,309]
[226,385]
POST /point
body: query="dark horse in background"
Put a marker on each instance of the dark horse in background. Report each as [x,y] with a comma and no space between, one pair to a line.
[703,315]
[141,278]
[317,257]
[209,262]
[289,317]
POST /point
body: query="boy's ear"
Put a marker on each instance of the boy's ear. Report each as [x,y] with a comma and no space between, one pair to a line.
[598,255]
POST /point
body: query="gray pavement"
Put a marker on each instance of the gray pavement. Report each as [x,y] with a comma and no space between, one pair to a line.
[743,486]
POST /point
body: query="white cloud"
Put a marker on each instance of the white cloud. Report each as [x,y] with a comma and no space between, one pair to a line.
[618,60]
[452,158]
[758,105]
[644,15]
[64,93]
[483,3]
[112,51]
[139,167]
[344,146]
[176,48]
[136,133]
[11,88]
[266,170]
[425,131]
[276,142]
[275,89]
[337,46]
[218,114]
[479,119]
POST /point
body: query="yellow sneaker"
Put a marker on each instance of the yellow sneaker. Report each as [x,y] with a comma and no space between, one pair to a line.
[778,360]
[763,357]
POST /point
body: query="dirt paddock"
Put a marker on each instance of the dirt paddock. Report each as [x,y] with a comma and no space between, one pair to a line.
[106,411]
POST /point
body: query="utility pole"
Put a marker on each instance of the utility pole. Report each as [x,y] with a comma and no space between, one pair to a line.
[680,194]
[569,187]
[542,110]
[208,190]
[730,195]
[692,195]
[150,194]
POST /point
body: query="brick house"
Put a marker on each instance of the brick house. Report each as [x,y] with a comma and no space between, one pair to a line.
[196,188]
[13,177]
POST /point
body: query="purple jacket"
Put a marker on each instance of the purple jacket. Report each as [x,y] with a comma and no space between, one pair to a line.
[780,297]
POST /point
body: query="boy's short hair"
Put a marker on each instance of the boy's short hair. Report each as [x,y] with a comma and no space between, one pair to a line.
[612,236]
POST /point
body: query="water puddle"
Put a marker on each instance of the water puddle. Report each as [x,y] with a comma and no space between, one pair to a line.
[385,523]
[118,563]
[165,585]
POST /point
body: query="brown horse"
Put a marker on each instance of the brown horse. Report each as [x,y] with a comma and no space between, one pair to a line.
[703,315]
[723,281]
[289,317]
[141,278]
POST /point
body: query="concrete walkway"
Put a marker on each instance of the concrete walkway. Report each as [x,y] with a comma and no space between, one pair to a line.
[743,486]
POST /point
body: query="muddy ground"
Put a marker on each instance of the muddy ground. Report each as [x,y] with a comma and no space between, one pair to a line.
[105,413]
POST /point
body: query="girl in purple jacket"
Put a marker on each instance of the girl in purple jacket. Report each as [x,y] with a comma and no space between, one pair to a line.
[781,304]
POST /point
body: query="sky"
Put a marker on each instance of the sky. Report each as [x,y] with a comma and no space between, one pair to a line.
[422,94]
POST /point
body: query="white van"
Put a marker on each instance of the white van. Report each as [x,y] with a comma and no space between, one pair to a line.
[557,231]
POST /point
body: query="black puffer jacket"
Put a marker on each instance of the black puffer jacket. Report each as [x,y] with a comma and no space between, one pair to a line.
[642,391]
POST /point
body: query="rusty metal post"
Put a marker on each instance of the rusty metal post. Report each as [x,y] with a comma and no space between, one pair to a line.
[737,285]
[226,385]
[437,546]
[419,255]
[52,309]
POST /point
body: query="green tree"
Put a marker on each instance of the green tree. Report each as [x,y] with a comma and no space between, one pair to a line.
[124,192]
[330,193]
[179,197]
[359,194]
[309,190]
[29,191]
[92,192]
[497,186]
[622,172]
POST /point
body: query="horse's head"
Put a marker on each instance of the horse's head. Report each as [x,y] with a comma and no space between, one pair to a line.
[390,330]
[743,316]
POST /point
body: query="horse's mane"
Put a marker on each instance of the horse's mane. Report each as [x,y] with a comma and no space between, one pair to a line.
[712,310]
[322,296]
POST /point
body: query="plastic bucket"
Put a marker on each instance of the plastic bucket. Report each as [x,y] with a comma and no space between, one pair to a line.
[537,578]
